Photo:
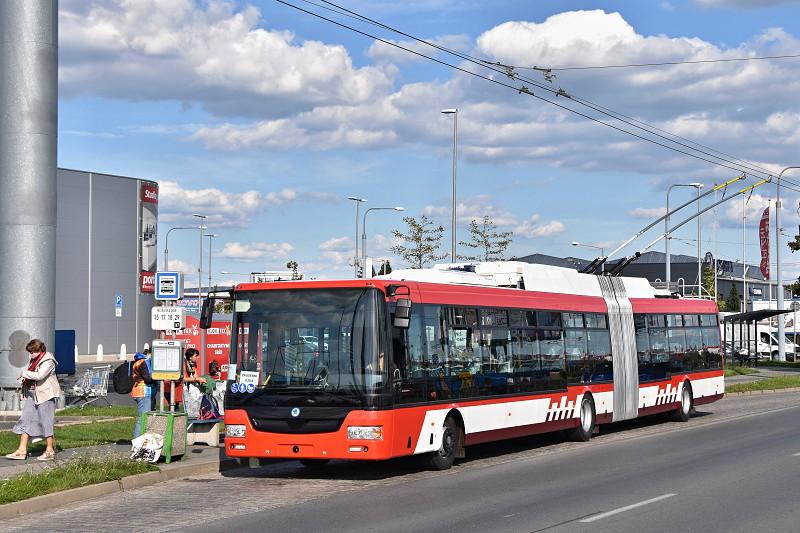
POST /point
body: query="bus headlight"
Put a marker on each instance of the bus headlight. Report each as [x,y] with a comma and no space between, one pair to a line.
[235,430]
[364,432]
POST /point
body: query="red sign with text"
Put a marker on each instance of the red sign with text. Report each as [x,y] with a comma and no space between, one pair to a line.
[218,342]
[763,238]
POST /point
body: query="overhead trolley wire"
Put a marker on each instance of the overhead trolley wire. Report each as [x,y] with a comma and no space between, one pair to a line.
[509,71]
[669,63]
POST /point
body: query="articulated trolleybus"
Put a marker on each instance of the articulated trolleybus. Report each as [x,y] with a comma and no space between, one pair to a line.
[426,362]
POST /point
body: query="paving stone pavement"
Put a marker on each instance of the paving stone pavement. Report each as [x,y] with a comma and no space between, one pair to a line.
[186,503]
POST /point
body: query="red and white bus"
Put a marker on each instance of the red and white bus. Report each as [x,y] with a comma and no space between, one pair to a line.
[430,361]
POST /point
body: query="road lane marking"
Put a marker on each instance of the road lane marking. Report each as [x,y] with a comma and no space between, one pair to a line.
[796,455]
[627,508]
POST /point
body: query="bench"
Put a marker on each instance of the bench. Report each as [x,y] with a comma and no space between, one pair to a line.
[203,431]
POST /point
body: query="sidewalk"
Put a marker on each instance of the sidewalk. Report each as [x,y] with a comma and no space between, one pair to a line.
[197,461]
[763,373]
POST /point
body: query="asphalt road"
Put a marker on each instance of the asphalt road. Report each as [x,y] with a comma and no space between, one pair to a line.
[735,468]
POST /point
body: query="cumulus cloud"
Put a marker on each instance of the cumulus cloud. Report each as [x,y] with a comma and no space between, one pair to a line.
[272,92]
[258,250]
[177,204]
[648,212]
[380,51]
[177,265]
[208,53]
[474,208]
[533,228]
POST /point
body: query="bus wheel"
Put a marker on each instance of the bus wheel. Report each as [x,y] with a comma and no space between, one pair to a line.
[684,411]
[314,464]
[583,432]
[444,458]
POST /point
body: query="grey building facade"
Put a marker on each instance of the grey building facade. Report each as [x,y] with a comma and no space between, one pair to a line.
[106,245]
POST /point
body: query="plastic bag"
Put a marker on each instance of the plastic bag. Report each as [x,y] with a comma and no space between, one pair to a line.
[219,396]
[147,447]
[192,395]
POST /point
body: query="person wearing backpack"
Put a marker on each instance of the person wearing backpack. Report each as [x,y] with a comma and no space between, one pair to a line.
[143,387]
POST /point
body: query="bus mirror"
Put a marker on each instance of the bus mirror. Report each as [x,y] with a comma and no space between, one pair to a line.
[207,313]
[402,312]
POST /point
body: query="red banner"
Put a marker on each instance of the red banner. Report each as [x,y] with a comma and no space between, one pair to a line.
[218,342]
[763,238]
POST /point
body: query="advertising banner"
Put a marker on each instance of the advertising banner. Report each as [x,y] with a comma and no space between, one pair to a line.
[218,342]
[763,238]
[148,251]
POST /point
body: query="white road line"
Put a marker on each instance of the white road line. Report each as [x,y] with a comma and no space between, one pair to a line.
[796,455]
[627,508]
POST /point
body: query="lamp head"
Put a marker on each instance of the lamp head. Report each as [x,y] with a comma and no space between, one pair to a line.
[450,111]
[697,185]
[399,208]
[575,243]
[355,198]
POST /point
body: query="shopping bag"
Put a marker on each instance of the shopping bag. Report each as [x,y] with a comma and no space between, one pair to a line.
[147,447]
[192,395]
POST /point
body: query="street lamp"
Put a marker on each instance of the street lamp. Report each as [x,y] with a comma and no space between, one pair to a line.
[454,112]
[602,251]
[364,229]
[358,201]
[200,293]
[166,243]
[210,236]
[698,186]
[781,339]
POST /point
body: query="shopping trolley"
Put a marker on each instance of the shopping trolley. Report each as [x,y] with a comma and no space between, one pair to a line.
[93,386]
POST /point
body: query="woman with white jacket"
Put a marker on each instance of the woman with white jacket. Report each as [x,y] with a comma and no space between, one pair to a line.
[40,385]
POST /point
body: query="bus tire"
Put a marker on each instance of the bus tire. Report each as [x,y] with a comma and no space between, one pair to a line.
[444,458]
[586,421]
[684,410]
[314,464]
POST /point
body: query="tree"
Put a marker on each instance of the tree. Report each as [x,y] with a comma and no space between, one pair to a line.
[292,265]
[708,281]
[386,268]
[485,239]
[732,303]
[420,243]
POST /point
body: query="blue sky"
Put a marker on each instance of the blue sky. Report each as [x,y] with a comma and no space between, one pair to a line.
[266,119]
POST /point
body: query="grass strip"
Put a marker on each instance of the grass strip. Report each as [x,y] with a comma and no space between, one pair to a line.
[781,364]
[75,436]
[92,410]
[778,382]
[739,371]
[77,472]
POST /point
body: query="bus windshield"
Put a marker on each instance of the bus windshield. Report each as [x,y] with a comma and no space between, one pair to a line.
[311,339]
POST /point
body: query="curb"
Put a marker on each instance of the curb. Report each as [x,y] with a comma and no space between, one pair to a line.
[766,391]
[166,472]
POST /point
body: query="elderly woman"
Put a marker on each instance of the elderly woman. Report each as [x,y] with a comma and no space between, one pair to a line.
[40,385]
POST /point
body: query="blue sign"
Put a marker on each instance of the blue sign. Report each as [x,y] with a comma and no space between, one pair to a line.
[169,286]
[234,387]
[118,300]
[251,388]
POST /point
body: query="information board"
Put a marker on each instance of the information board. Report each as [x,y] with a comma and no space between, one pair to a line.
[167,359]
[168,318]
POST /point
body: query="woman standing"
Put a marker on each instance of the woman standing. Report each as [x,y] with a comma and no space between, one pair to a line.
[41,388]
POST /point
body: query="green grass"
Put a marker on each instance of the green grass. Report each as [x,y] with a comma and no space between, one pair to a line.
[779,364]
[75,436]
[92,410]
[778,382]
[739,371]
[78,472]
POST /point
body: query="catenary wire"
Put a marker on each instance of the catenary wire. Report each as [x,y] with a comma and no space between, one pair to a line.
[668,63]
[605,111]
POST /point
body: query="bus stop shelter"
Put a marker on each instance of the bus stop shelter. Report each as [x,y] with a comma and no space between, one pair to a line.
[748,339]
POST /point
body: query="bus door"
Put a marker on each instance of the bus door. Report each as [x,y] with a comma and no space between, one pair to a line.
[623,348]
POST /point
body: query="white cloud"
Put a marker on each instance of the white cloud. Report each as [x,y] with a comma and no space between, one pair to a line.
[258,250]
[648,212]
[532,228]
[177,204]
[187,269]
[380,51]
[337,244]
[209,53]
[474,208]
[746,4]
